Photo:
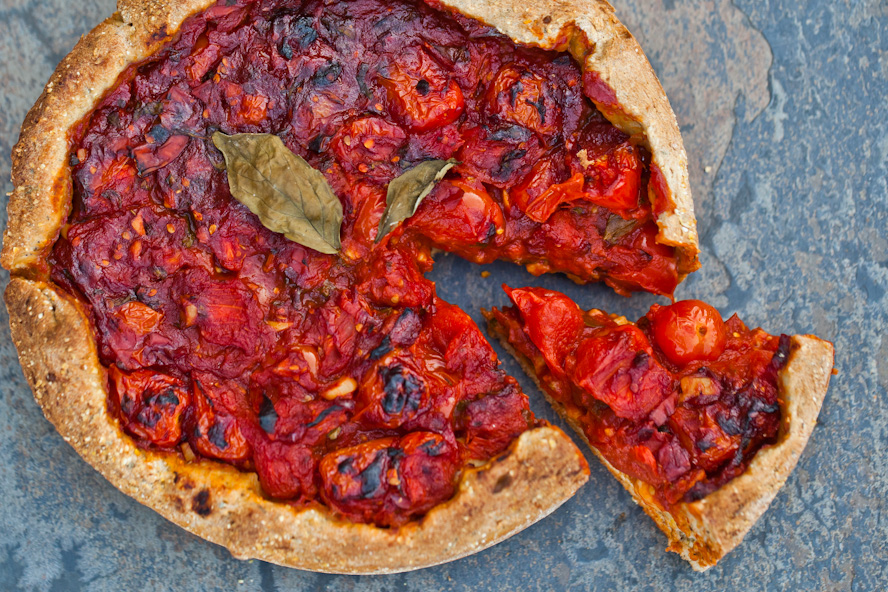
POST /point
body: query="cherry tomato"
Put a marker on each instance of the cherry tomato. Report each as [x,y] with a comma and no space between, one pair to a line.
[211,429]
[552,321]
[422,95]
[458,211]
[539,195]
[616,367]
[139,318]
[615,177]
[370,146]
[522,97]
[152,404]
[689,331]
[285,470]
[393,393]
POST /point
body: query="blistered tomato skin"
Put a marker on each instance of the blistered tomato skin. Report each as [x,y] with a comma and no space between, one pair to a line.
[227,341]
[685,429]
[152,404]
[689,331]
[421,93]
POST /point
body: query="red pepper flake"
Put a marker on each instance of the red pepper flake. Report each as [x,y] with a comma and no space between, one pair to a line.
[171,229]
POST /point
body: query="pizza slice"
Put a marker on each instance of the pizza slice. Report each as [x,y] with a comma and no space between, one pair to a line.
[702,420]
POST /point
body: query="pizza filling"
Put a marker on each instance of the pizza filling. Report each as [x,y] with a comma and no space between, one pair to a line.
[342,380]
[680,400]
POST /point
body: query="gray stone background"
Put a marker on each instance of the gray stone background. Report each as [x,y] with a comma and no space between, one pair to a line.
[783,108]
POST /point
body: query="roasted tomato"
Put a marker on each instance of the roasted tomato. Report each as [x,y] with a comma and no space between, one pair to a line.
[388,481]
[394,392]
[617,367]
[212,430]
[422,94]
[551,319]
[611,164]
[688,331]
[393,279]
[150,157]
[285,470]
[640,262]
[492,422]
[369,146]
[152,404]
[703,432]
[458,211]
[518,95]
[497,155]
[540,193]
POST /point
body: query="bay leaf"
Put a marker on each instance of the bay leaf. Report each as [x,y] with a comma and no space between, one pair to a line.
[617,228]
[407,191]
[284,191]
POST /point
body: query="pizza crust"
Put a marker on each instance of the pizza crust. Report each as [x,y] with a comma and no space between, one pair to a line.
[541,469]
[704,531]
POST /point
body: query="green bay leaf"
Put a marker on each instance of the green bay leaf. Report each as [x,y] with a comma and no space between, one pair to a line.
[407,191]
[284,191]
[617,228]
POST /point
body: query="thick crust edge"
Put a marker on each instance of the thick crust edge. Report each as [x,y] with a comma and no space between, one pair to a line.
[630,95]
[704,531]
[541,470]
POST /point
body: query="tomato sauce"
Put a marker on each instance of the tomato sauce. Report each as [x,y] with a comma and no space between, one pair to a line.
[685,419]
[340,380]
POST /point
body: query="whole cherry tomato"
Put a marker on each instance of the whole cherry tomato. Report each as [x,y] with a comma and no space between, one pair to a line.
[689,331]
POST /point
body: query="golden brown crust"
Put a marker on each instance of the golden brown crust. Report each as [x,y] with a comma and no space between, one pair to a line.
[541,470]
[704,531]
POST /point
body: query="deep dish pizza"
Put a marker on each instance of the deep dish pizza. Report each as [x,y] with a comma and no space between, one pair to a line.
[258,356]
[701,419]
[222,221]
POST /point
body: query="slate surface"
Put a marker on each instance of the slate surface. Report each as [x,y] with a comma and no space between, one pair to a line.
[783,108]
